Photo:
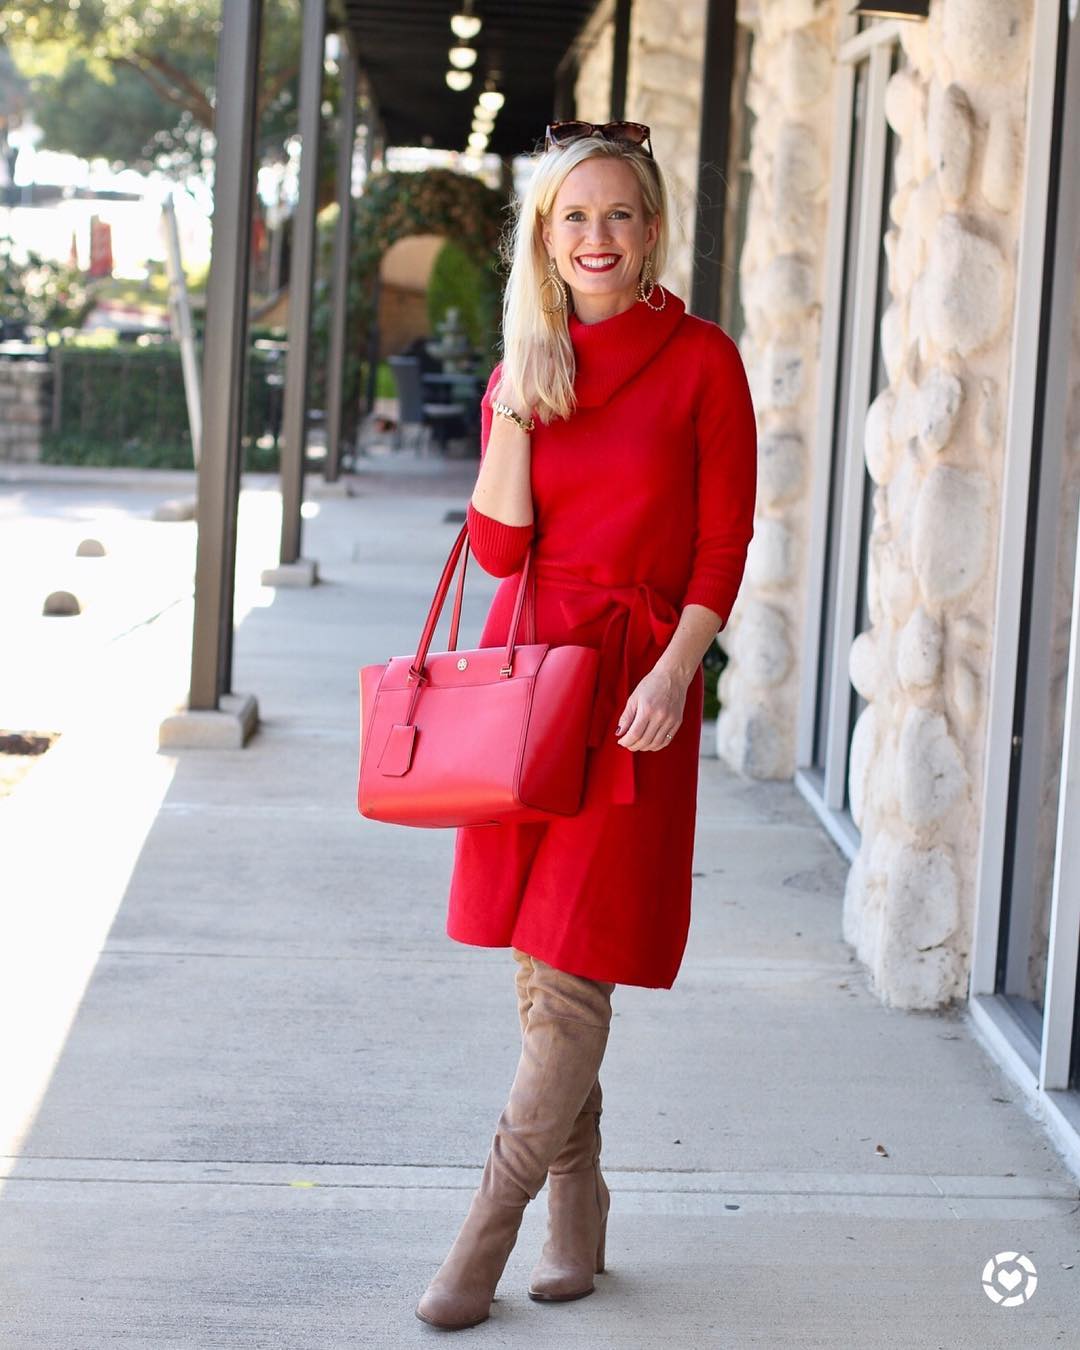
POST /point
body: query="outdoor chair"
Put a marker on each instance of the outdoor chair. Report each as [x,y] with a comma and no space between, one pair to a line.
[414,411]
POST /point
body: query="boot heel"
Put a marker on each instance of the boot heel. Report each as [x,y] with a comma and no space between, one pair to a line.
[602,1245]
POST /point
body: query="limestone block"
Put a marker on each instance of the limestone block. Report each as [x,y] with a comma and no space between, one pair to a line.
[656,23]
[781,467]
[903,99]
[758,97]
[897,584]
[668,108]
[864,896]
[905,165]
[985,41]
[691,21]
[749,740]
[893,338]
[804,66]
[930,768]
[925,209]
[667,69]
[877,443]
[916,980]
[779,17]
[967,692]
[987,414]
[1002,160]
[918,652]
[786,287]
[937,405]
[907,255]
[918,318]
[764,648]
[783,371]
[968,291]
[864,665]
[971,631]
[860,760]
[923,896]
[904,418]
[855,905]
[799,164]
[950,533]
[770,559]
[899,201]
[879,858]
[903,492]
[950,133]
[915,41]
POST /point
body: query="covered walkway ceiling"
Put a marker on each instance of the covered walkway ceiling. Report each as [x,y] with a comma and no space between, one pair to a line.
[402,47]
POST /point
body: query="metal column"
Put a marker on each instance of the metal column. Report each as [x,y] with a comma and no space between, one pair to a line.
[716,90]
[620,59]
[339,307]
[224,353]
[301,276]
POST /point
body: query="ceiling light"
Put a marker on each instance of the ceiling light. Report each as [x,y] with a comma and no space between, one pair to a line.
[464,23]
[892,9]
[492,100]
[484,116]
[459,79]
[478,141]
[462,57]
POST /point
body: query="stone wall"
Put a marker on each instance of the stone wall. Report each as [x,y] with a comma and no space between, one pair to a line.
[935,449]
[25,408]
[790,91]
[664,80]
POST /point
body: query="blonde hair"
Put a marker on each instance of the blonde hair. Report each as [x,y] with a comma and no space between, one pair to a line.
[537,351]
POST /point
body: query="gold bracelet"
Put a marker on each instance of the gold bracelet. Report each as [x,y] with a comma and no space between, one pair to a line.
[505,410]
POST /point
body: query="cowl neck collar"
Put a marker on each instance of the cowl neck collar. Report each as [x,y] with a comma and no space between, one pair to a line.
[612,351]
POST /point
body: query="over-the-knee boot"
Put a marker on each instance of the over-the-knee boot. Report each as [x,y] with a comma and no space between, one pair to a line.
[561,1050]
[578,1204]
[578,1197]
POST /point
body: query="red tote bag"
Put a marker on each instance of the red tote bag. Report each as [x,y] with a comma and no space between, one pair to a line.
[476,737]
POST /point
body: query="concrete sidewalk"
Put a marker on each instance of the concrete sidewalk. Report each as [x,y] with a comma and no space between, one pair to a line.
[253,1083]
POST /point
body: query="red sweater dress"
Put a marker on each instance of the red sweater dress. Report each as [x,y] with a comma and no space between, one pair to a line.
[643,502]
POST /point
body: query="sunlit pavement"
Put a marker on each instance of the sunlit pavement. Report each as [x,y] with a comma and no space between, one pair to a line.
[249,1084]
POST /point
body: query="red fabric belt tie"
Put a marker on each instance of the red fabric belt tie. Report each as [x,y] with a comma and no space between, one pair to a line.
[640,623]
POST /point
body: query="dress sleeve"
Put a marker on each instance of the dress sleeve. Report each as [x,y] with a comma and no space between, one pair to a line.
[499,548]
[725,427]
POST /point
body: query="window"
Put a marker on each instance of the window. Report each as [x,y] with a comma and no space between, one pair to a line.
[852,374]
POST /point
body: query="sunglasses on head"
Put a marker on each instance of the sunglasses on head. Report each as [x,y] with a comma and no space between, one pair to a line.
[561,133]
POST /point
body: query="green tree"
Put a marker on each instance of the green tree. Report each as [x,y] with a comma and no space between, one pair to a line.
[134,81]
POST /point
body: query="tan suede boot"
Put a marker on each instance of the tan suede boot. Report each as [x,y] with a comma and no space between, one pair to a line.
[578,1197]
[561,1050]
[578,1204]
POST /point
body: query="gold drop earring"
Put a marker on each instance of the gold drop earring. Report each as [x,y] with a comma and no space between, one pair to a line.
[646,280]
[554,279]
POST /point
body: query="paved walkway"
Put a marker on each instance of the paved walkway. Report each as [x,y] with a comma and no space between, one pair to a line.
[249,1083]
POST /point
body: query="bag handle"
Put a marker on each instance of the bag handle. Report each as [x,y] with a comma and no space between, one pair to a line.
[460,548]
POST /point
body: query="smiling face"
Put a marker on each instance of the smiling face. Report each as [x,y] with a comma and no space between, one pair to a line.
[599,237]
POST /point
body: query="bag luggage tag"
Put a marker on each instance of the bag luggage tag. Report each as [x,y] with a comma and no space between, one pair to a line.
[397,752]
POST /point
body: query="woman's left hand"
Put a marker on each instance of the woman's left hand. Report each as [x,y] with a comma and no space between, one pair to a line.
[654,709]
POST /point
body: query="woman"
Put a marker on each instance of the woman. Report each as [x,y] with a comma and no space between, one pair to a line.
[618,441]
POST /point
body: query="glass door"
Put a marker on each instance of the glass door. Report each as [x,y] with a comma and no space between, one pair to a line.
[1038,930]
[859,290]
